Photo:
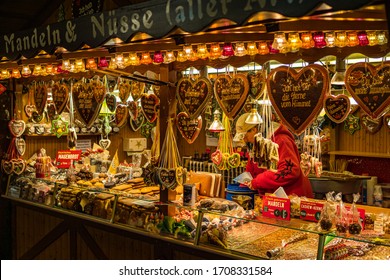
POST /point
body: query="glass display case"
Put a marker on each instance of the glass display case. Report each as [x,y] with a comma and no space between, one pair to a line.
[212,224]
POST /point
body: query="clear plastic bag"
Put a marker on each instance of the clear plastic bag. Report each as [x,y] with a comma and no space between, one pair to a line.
[341,216]
[328,213]
[355,226]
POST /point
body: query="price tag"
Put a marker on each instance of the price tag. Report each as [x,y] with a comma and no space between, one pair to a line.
[65,157]
[276,207]
[311,211]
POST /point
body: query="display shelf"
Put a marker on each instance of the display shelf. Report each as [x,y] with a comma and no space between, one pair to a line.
[231,231]
[359,154]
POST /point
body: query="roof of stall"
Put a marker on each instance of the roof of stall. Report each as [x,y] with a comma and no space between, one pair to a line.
[166,24]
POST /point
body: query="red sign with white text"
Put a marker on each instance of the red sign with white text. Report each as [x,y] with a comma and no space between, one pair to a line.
[65,157]
[310,210]
[276,207]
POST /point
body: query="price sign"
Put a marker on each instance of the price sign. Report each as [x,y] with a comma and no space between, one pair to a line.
[276,207]
[65,157]
[311,211]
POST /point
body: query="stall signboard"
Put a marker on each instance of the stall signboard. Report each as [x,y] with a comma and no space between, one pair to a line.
[311,210]
[276,207]
[64,158]
[157,18]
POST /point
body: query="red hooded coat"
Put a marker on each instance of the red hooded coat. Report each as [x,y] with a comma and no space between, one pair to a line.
[288,174]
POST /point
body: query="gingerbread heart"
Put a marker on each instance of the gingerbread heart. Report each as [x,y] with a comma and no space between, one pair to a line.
[189,128]
[369,86]
[234,160]
[133,109]
[371,125]
[104,143]
[20,146]
[137,89]
[60,93]
[29,109]
[167,177]
[216,157]
[297,97]
[111,102]
[19,165]
[99,90]
[51,110]
[8,166]
[40,98]
[257,83]
[121,115]
[193,96]
[17,127]
[337,107]
[85,103]
[149,103]
[231,93]
[306,167]
[124,91]
[137,123]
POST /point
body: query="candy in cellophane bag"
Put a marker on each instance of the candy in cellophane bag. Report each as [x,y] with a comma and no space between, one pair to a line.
[355,225]
[328,213]
[341,216]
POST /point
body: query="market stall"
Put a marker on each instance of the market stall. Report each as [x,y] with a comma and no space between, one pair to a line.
[114,114]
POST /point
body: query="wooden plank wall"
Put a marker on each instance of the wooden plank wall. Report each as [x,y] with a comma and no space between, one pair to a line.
[363,141]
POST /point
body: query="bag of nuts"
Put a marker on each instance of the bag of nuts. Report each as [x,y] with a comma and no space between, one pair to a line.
[355,225]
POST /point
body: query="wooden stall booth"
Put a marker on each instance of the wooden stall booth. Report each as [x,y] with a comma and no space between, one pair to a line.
[112,106]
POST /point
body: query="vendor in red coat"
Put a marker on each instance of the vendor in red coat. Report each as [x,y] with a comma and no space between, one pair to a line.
[288,174]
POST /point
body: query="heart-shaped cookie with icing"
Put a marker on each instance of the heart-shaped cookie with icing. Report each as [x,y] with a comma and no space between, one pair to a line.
[337,107]
[369,86]
[297,96]
[149,104]
[17,127]
[188,128]
[60,93]
[193,95]
[231,93]
[121,115]
[371,125]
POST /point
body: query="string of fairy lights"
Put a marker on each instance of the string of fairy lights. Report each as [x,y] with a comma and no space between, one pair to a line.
[282,43]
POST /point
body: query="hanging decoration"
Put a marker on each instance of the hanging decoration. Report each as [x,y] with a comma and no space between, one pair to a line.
[311,157]
[224,156]
[298,96]
[337,107]
[138,122]
[137,89]
[13,162]
[188,128]
[352,124]
[257,84]
[87,102]
[60,95]
[146,129]
[149,105]
[133,109]
[124,89]
[265,152]
[369,86]
[59,126]
[121,115]
[40,97]
[193,95]
[29,108]
[231,93]
[371,125]
[170,172]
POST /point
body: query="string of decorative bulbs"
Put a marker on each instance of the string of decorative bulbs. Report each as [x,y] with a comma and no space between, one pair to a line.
[282,43]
